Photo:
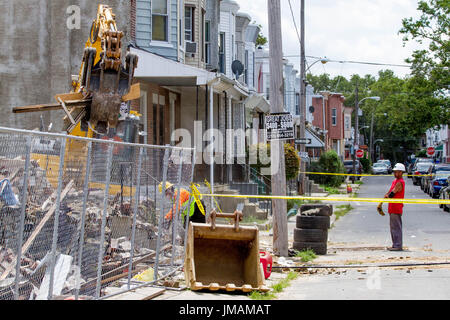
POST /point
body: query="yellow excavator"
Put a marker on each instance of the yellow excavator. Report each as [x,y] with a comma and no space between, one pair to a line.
[99,103]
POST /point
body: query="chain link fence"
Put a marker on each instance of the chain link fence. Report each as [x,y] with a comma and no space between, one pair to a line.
[84,218]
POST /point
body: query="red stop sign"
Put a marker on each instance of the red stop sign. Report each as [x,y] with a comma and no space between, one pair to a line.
[360,153]
[430,151]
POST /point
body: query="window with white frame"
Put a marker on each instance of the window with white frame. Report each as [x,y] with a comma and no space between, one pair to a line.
[159,20]
[334,116]
[189,23]
[208,41]
[222,59]
[347,122]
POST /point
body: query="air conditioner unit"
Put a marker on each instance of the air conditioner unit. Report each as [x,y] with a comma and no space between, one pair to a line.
[191,47]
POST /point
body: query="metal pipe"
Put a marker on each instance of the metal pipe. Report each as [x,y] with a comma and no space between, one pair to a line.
[354,266]
[175,218]
[161,214]
[189,205]
[105,211]
[136,203]
[83,219]
[113,142]
[22,216]
[62,153]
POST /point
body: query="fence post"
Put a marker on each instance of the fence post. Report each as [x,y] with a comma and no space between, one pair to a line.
[22,217]
[190,200]
[136,204]
[83,218]
[175,218]
[105,211]
[161,214]
[62,153]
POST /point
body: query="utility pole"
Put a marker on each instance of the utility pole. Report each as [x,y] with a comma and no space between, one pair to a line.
[356,138]
[302,94]
[278,171]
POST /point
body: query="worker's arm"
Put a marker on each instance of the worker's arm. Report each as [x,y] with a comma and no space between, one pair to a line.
[397,188]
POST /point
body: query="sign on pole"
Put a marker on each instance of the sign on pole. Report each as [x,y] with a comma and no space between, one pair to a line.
[360,153]
[303,141]
[430,151]
[279,126]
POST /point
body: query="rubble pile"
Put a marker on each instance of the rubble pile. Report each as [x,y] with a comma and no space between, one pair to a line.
[38,235]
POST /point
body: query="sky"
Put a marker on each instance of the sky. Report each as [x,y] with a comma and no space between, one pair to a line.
[343,30]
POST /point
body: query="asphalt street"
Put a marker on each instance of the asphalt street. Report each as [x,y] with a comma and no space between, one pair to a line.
[361,238]
[424,225]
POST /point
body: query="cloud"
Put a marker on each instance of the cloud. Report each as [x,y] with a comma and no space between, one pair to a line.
[357,30]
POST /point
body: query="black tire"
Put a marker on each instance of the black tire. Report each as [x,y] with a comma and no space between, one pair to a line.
[310,235]
[318,247]
[313,222]
[323,209]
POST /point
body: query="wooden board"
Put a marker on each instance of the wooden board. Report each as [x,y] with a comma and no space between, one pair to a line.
[146,293]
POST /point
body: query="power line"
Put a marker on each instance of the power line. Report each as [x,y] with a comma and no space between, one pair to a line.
[295,24]
[355,62]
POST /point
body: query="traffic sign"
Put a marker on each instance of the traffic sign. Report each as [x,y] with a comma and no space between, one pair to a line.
[303,141]
[430,151]
[360,153]
[279,126]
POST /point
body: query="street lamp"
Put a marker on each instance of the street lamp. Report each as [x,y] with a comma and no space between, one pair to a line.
[356,141]
[303,71]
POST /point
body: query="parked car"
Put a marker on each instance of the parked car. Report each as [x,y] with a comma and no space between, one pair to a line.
[410,167]
[388,163]
[414,162]
[438,181]
[348,164]
[419,168]
[380,168]
[426,180]
[444,194]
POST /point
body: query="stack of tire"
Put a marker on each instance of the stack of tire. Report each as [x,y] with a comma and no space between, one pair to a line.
[311,232]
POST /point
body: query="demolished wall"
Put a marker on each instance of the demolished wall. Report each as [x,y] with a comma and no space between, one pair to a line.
[41,48]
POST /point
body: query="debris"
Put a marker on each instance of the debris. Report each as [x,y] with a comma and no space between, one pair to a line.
[62,269]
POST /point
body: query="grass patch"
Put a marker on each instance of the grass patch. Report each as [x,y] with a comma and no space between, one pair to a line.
[330,190]
[276,288]
[359,182]
[306,255]
[252,220]
[342,210]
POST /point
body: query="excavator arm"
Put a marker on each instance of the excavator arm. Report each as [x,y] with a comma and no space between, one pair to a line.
[103,84]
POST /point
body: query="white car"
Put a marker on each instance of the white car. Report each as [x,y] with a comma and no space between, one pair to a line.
[387,163]
[380,168]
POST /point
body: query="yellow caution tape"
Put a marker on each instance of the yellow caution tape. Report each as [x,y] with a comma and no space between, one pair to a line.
[377,200]
[210,190]
[197,195]
[366,175]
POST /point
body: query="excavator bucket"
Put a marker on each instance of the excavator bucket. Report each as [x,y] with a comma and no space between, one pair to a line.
[223,257]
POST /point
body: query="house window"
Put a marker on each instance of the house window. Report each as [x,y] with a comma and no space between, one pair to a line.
[189,24]
[159,20]
[297,104]
[347,123]
[222,52]
[208,41]
[203,35]
[334,116]
[246,67]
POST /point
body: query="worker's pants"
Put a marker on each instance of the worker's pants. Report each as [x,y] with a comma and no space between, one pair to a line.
[395,221]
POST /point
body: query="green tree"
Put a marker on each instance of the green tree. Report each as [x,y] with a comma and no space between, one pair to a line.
[430,81]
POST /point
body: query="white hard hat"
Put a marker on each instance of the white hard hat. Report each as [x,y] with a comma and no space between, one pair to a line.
[399,167]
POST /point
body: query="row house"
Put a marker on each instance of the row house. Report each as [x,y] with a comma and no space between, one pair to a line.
[331,120]
[186,49]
